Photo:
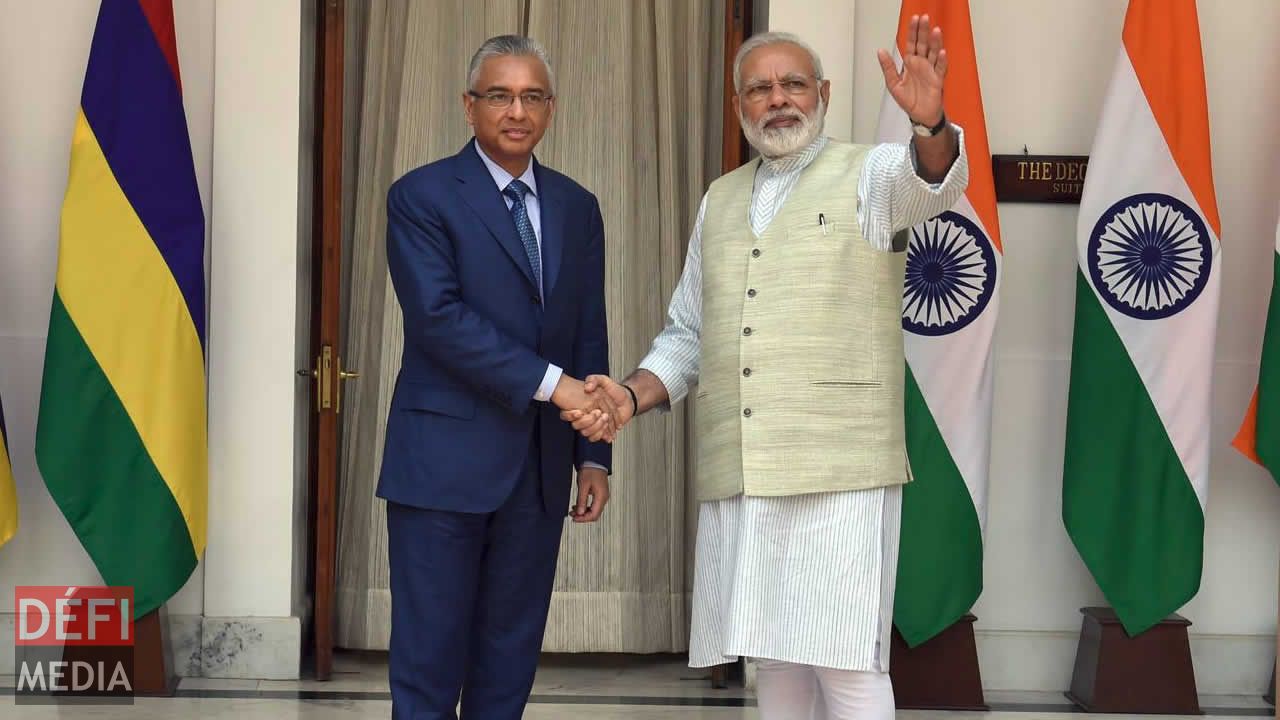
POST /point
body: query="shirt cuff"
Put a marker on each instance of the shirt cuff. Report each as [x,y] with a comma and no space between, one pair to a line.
[589,464]
[549,382]
[669,374]
[958,167]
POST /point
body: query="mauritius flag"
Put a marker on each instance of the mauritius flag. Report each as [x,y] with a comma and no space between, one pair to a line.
[121,439]
[8,492]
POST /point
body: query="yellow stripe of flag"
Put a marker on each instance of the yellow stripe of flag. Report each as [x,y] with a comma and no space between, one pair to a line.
[112,278]
[8,491]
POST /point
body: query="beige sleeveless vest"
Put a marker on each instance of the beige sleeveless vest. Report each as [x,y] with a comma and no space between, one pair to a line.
[801,377]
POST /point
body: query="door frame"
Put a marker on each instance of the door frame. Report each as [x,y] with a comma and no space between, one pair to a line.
[327,371]
[739,21]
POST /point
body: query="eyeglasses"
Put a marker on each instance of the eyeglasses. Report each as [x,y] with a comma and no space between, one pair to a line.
[530,100]
[794,85]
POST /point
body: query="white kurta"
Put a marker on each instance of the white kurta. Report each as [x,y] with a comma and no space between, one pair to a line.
[809,578]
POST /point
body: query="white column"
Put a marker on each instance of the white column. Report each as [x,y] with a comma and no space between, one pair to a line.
[253,331]
[827,26]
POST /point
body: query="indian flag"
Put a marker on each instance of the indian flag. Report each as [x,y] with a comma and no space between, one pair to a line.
[950,304]
[1259,435]
[8,491]
[121,436]
[1137,449]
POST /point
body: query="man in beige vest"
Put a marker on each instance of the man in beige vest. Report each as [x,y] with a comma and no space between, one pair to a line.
[788,317]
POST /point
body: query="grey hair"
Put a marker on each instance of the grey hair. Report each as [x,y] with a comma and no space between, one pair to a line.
[509,45]
[771,38]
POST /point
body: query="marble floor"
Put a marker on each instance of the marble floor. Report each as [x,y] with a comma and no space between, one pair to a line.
[568,687]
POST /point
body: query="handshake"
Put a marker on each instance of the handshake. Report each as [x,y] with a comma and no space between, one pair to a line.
[598,407]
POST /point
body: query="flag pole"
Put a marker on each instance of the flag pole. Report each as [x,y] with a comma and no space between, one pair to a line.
[1275,669]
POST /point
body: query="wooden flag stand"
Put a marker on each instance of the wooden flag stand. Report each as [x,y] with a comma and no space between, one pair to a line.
[153,674]
[939,674]
[1150,673]
[152,660]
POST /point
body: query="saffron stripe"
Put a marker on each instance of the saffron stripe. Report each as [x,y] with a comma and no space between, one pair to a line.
[127,307]
[1162,41]
[101,476]
[134,106]
[1246,440]
[963,102]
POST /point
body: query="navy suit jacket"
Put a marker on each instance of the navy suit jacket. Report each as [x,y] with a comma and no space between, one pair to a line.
[477,339]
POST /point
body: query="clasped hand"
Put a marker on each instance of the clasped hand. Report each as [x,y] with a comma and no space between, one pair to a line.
[598,408]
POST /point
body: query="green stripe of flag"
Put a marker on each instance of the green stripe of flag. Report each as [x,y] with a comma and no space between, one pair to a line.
[1267,444]
[1127,502]
[101,477]
[940,557]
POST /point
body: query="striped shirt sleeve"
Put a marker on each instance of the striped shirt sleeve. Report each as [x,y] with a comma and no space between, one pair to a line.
[893,197]
[674,355]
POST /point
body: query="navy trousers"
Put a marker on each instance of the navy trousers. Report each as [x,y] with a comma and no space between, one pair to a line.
[470,594]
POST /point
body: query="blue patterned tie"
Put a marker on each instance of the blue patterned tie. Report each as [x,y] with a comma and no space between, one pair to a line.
[516,191]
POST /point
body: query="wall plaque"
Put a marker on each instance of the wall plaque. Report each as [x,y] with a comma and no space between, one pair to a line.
[1039,178]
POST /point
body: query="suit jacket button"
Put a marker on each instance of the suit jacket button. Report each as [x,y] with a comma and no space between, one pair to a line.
[746,412]
[755,252]
[746,331]
[746,372]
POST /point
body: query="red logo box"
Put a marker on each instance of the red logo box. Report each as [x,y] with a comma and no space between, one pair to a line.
[74,645]
[73,615]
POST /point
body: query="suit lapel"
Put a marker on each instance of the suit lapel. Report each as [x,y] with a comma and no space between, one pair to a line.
[552,208]
[481,195]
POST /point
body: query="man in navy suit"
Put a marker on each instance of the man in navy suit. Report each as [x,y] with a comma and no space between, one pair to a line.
[498,264]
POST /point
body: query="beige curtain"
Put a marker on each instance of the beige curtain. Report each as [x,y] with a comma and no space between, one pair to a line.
[638,124]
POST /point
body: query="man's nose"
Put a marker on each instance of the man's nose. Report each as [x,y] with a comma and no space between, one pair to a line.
[778,98]
[516,110]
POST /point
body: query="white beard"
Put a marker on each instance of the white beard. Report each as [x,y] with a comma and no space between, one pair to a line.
[780,142]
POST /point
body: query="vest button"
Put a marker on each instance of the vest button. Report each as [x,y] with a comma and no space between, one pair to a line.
[746,372]
[746,331]
[755,252]
[746,412]
[751,292]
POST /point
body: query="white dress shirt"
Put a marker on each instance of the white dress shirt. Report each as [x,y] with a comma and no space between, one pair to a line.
[533,209]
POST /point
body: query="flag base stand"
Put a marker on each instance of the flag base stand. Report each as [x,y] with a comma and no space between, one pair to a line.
[152,659]
[1150,673]
[148,663]
[939,674]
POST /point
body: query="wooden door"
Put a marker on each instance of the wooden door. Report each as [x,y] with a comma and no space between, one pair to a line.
[327,373]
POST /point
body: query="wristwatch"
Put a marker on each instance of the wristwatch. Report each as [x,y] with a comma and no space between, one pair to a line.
[925,130]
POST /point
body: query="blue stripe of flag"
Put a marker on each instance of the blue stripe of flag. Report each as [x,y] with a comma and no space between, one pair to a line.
[132,102]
